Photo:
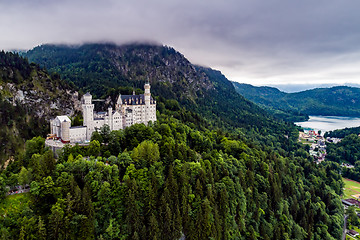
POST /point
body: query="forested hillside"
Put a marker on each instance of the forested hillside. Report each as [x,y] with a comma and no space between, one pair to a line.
[213,165]
[335,101]
[348,152]
[341,133]
[103,68]
[29,96]
[170,179]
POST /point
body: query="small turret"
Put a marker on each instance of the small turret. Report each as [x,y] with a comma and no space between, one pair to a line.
[87,98]
[118,103]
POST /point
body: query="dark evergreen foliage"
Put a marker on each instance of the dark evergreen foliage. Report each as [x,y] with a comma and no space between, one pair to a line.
[341,133]
[174,180]
[213,165]
[348,150]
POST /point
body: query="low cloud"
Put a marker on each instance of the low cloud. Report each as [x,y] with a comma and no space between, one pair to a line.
[252,41]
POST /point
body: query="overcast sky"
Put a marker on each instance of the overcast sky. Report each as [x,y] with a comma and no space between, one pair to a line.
[263,42]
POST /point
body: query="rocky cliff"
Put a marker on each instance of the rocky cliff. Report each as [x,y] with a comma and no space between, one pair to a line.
[29,97]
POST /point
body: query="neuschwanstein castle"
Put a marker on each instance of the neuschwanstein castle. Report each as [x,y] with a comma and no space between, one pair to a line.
[129,109]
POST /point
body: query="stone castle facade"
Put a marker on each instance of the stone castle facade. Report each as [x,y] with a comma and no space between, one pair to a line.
[129,109]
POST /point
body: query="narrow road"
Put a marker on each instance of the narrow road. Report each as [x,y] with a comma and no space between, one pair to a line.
[344,228]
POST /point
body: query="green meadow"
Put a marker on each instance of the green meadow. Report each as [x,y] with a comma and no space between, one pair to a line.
[351,188]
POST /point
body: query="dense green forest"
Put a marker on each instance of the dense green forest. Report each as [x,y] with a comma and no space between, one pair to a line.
[334,101]
[341,133]
[26,93]
[213,166]
[346,151]
[172,178]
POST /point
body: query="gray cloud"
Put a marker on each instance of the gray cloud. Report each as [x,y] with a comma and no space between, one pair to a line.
[253,41]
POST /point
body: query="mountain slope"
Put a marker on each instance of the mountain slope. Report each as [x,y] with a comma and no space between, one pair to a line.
[172,179]
[335,101]
[29,97]
[103,68]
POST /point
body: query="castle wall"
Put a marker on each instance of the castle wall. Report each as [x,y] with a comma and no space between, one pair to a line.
[77,134]
[98,123]
[151,113]
[128,117]
[56,125]
[116,121]
[138,114]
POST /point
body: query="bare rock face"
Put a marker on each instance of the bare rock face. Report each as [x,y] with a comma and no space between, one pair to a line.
[20,96]
[32,88]
[42,104]
[76,101]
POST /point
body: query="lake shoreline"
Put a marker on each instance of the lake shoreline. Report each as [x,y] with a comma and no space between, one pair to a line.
[329,123]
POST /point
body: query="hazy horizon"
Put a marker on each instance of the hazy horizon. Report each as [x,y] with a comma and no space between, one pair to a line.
[291,88]
[250,41]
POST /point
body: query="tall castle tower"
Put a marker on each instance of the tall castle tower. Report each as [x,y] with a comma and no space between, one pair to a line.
[147,97]
[88,112]
[147,94]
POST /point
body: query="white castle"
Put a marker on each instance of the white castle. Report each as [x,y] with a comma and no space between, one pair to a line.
[129,109]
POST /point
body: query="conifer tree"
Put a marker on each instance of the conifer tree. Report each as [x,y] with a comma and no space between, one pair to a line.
[41,234]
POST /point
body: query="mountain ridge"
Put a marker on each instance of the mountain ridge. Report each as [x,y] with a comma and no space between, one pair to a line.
[334,101]
[102,68]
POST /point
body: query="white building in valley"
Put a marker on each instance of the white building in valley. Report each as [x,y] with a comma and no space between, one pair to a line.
[129,109]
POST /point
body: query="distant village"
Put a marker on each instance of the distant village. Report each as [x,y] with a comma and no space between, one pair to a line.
[317,144]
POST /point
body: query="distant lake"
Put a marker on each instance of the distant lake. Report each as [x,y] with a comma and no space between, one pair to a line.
[329,123]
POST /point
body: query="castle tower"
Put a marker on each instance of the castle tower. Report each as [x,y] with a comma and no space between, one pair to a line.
[88,114]
[65,131]
[147,93]
[111,123]
[147,97]
[88,109]
[118,103]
